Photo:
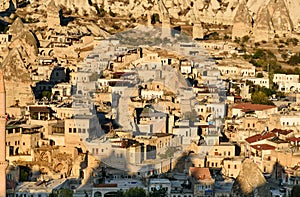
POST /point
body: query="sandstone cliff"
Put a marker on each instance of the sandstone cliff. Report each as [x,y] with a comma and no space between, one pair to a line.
[264,18]
[250,182]
[242,21]
[16,66]
[261,18]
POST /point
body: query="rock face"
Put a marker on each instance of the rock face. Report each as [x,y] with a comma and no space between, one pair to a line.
[16,65]
[16,27]
[272,18]
[263,28]
[280,17]
[242,22]
[7,4]
[250,182]
[53,14]
[261,18]
[82,7]
[198,31]
[17,79]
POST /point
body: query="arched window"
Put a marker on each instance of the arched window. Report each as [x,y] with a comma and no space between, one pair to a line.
[98,194]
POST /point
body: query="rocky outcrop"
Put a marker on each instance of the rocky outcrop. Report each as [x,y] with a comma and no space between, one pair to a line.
[272,18]
[17,79]
[7,5]
[263,28]
[16,66]
[293,9]
[16,27]
[261,18]
[53,18]
[250,182]
[280,17]
[81,7]
[242,22]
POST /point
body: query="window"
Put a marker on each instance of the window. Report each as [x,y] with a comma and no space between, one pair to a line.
[234,166]
[253,125]
[228,153]
[70,130]
[79,130]
[248,124]
[228,166]
[74,130]
[9,177]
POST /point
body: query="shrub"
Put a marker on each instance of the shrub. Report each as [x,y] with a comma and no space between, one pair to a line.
[259,75]
[294,59]
[112,14]
[101,12]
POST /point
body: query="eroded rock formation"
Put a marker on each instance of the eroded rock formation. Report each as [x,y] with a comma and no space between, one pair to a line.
[250,181]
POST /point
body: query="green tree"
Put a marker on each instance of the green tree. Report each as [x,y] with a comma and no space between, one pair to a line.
[158,193]
[245,38]
[260,98]
[296,191]
[63,192]
[294,59]
[226,37]
[237,40]
[100,11]
[294,41]
[135,192]
[284,56]
[259,53]
[46,94]
[259,75]
[214,36]
[120,193]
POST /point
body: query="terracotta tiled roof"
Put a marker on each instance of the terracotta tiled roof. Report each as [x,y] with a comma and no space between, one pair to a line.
[293,139]
[259,137]
[237,97]
[200,173]
[263,147]
[45,109]
[282,132]
[255,107]
[106,185]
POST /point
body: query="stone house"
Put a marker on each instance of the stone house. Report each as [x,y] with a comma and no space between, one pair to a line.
[202,182]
